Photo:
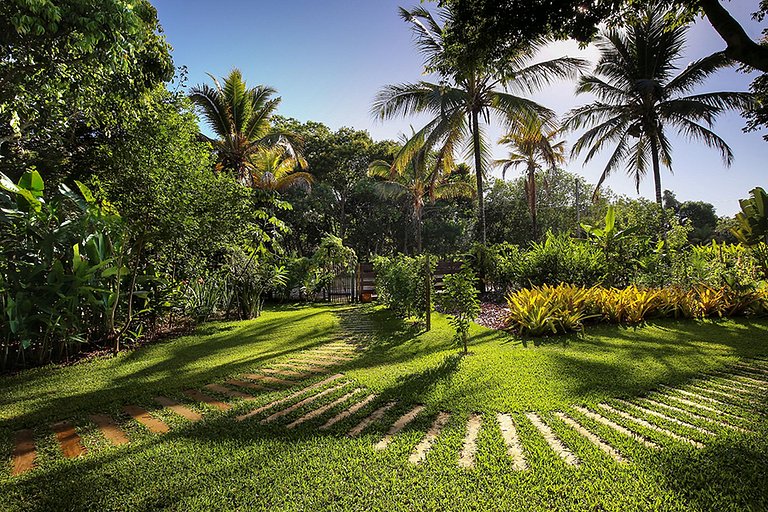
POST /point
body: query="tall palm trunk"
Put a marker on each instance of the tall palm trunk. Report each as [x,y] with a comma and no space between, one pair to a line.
[478,172]
[656,169]
[531,193]
[418,221]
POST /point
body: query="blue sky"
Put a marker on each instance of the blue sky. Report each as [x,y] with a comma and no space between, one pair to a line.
[328,58]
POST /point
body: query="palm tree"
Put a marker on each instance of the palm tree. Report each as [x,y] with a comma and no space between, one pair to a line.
[471,93]
[426,178]
[639,96]
[272,169]
[240,118]
[532,147]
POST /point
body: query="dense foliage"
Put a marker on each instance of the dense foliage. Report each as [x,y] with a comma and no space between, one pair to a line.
[459,300]
[566,308]
[401,283]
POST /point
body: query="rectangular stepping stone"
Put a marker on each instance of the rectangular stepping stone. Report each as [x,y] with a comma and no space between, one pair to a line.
[651,426]
[348,412]
[749,378]
[651,412]
[285,373]
[322,410]
[142,416]
[738,398]
[552,440]
[733,387]
[305,368]
[71,445]
[245,384]
[702,406]
[421,449]
[176,407]
[269,379]
[741,380]
[592,438]
[512,441]
[206,399]
[668,407]
[290,397]
[224,390]
[23,452]
[375,416]
[109,429]
[469,449]
[300,404]
[752,369]
[615,426]
[693,395]
[329,357]
[399,425]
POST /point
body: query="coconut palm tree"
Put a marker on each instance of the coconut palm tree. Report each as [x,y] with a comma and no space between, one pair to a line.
[240,118]
[640,97]
[427,177]
[272,169]
[533,147]
[469,96]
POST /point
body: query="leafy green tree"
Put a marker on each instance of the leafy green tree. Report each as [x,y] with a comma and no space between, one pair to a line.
[424,179]
[240,117]
[701,217]
[273,170]
[639,98]
[495,28]
[339,163]
[532,147]
[508,214]
[459,300]
[71,72]
[468,91]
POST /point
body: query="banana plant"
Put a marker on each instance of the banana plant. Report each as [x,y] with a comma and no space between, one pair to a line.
[752,229]
[608,236]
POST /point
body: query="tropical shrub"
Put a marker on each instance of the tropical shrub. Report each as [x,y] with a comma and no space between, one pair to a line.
[563,259]
[401,283]
[499,266]
[564,308]
[459,300]
[68,276]
[250,276]
[752,226]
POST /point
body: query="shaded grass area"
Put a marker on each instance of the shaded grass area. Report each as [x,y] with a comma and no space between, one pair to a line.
[221,464]
[505,373]
[214,351]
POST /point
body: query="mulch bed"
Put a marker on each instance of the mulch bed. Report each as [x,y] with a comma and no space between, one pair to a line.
[492,315]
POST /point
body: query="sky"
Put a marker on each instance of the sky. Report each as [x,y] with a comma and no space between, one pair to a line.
[327,59]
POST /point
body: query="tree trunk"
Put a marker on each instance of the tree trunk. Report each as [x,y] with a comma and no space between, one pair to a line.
[740,46]
[418,222]
[479,174]
[343,215]
[532,200]
[656,170]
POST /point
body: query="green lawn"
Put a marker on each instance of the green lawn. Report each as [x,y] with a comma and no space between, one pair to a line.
[220,463]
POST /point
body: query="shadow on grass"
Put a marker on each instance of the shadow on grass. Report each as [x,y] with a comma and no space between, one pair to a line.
[722,476]
[667,351]
[175,367]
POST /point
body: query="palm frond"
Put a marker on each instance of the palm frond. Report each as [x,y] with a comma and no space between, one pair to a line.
[537,76]
[697,72]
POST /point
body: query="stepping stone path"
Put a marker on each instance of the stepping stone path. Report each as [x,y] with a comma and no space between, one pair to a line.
[680,416]
[71,445]
[109,429]
[142,416]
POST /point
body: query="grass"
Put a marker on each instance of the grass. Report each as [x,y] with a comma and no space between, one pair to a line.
[221,464]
